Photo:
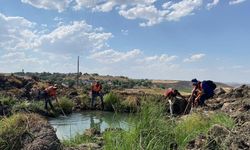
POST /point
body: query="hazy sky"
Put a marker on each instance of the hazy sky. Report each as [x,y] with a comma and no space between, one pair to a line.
[155,39]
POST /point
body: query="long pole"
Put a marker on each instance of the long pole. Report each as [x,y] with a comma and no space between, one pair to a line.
[77,78]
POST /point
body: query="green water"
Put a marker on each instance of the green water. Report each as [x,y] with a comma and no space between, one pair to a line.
[68,127]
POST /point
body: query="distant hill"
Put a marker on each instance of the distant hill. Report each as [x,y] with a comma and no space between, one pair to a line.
[184,86]
[234,84]
[114,82]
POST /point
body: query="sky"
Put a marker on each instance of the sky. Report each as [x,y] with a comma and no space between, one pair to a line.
[149,39]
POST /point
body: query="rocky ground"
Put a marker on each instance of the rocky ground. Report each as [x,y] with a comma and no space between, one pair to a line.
[28,132]
[235,103]
[44,136]
[91,133]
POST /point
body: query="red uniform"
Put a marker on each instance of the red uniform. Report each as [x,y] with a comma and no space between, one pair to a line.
[51,91]
[169,92]
[96,88]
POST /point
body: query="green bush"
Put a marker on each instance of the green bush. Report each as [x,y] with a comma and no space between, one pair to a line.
[222,119]
[65,105]
[193,125]
[131,104]
[7,101]
[106,88]
[21,106]
[15,130]
[112,101]
[11,131]
[151,131]
[37,106]
[86,88]
[85,100]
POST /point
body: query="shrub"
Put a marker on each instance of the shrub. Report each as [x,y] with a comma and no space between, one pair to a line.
[86,88]
[15,131]
[37,106]
[222,119]
[192,125]
[151,131]
[21,107]
[11,131]
[82,101]
[7,101]
[65,105]
[106,88]
[84,98]
[112,101]
[131,104]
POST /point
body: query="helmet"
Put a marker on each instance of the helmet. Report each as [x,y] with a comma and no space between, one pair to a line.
[194,81]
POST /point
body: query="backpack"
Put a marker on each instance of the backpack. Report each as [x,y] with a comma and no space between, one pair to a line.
[210,84]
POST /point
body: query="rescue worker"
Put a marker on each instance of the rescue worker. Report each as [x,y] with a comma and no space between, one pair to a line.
[171,93]
[202,91]
[49,95]
[177,102]
[96,89]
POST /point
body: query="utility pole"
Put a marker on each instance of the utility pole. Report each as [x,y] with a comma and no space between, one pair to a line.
[77,78]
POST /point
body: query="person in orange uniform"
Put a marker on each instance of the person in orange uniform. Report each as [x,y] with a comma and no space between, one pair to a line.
[96,89]
[50,94]
[171,93]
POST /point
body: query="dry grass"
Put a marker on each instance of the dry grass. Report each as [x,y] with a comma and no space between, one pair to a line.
[165,81]
[14,128]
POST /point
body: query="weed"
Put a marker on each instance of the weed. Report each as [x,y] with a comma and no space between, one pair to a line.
[65,104]
[112,101]
[77,140]
[11,131]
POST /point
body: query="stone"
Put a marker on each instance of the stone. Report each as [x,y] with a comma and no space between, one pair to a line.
[197,143]
[240,138]
[92,132]
[219,91]
[216,136]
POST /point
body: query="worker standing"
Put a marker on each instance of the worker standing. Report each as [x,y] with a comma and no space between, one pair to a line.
[50,94]
[96,89]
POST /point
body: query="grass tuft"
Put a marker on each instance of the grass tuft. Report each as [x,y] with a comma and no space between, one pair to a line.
[112,101]
[77,140]
[189,127]
[65,104]
[150,131]
[12,130]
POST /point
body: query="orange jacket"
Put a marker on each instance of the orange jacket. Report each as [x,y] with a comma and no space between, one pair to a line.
[169,92]
[96,87]
[51,90]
